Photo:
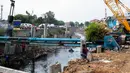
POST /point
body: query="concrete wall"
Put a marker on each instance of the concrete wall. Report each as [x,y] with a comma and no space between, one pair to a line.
[39,33]
[26,33]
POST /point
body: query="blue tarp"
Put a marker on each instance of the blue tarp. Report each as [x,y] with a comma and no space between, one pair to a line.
[111,23]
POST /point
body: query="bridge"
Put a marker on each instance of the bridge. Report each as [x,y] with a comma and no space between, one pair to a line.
[44,41]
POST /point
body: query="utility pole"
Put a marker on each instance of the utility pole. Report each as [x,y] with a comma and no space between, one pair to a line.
[105,13]
[45,26]
[1,12]
[66,30]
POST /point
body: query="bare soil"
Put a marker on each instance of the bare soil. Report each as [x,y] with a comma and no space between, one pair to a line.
[118,62]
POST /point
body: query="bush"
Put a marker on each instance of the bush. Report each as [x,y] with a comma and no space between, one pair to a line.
[95,31]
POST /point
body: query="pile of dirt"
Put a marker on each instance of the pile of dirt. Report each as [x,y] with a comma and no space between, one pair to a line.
[107,62]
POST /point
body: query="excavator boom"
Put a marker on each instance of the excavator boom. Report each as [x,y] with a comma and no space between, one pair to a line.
[115,7]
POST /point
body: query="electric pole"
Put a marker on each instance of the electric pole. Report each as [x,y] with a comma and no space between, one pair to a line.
[1,12]
[105,13]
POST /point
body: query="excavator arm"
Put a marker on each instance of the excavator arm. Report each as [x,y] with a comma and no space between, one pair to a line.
[115,7]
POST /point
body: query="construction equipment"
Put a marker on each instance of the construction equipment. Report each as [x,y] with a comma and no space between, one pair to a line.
[116,7]
[10,17]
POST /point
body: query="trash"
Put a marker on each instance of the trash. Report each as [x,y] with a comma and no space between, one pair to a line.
[105,61]
[71,50]
[89,57]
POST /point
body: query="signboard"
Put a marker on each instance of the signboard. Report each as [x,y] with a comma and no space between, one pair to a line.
[17,23]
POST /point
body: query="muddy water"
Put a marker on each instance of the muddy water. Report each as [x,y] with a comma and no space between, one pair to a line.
[61,55]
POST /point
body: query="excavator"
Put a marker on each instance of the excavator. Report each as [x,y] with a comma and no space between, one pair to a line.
[116,6]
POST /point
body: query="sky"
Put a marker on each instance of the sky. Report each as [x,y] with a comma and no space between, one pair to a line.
[66,10]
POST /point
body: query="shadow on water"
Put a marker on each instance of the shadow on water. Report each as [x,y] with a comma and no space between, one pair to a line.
[62,56]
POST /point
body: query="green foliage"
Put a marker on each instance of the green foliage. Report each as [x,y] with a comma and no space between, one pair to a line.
[49,17]
[2,31]
[59,22]
[40,20]
[81,25]
[23,18]
[76,24]
[87,23]
[72,23]
[95,31]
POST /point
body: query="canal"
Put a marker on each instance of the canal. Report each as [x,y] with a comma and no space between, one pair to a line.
[61,55]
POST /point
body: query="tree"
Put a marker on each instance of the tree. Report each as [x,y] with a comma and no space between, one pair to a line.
[49,17]
[31,17]
[60,22]
[72,23]
[95,31]
[40,20]
[76,24]
[81,25]
[86,23]
[23,18]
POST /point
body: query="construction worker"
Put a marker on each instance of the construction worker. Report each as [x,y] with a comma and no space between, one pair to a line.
[86,53]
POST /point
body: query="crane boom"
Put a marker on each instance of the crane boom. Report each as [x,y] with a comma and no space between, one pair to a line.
[115,7]
[127,9]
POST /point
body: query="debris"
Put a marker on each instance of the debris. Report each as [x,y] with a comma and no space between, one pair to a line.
[71,50]
[105,61]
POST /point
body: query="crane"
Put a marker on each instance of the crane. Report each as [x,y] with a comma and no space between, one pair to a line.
[10,19]
[116,7]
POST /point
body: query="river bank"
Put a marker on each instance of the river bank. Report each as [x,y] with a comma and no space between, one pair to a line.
[17,61]
[107,62]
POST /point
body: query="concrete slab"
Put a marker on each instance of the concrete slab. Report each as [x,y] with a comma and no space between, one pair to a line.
[9,70]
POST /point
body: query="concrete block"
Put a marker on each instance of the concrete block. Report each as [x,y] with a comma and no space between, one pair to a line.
[56,68]
[99,49]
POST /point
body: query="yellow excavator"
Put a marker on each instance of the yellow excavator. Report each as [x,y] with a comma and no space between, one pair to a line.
[116,7]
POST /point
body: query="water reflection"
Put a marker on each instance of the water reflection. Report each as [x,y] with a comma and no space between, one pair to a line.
[61,55]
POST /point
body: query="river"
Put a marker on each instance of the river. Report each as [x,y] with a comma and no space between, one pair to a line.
[62,55]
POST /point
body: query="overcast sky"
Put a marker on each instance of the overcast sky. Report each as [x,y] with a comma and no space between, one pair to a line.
[67,10]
